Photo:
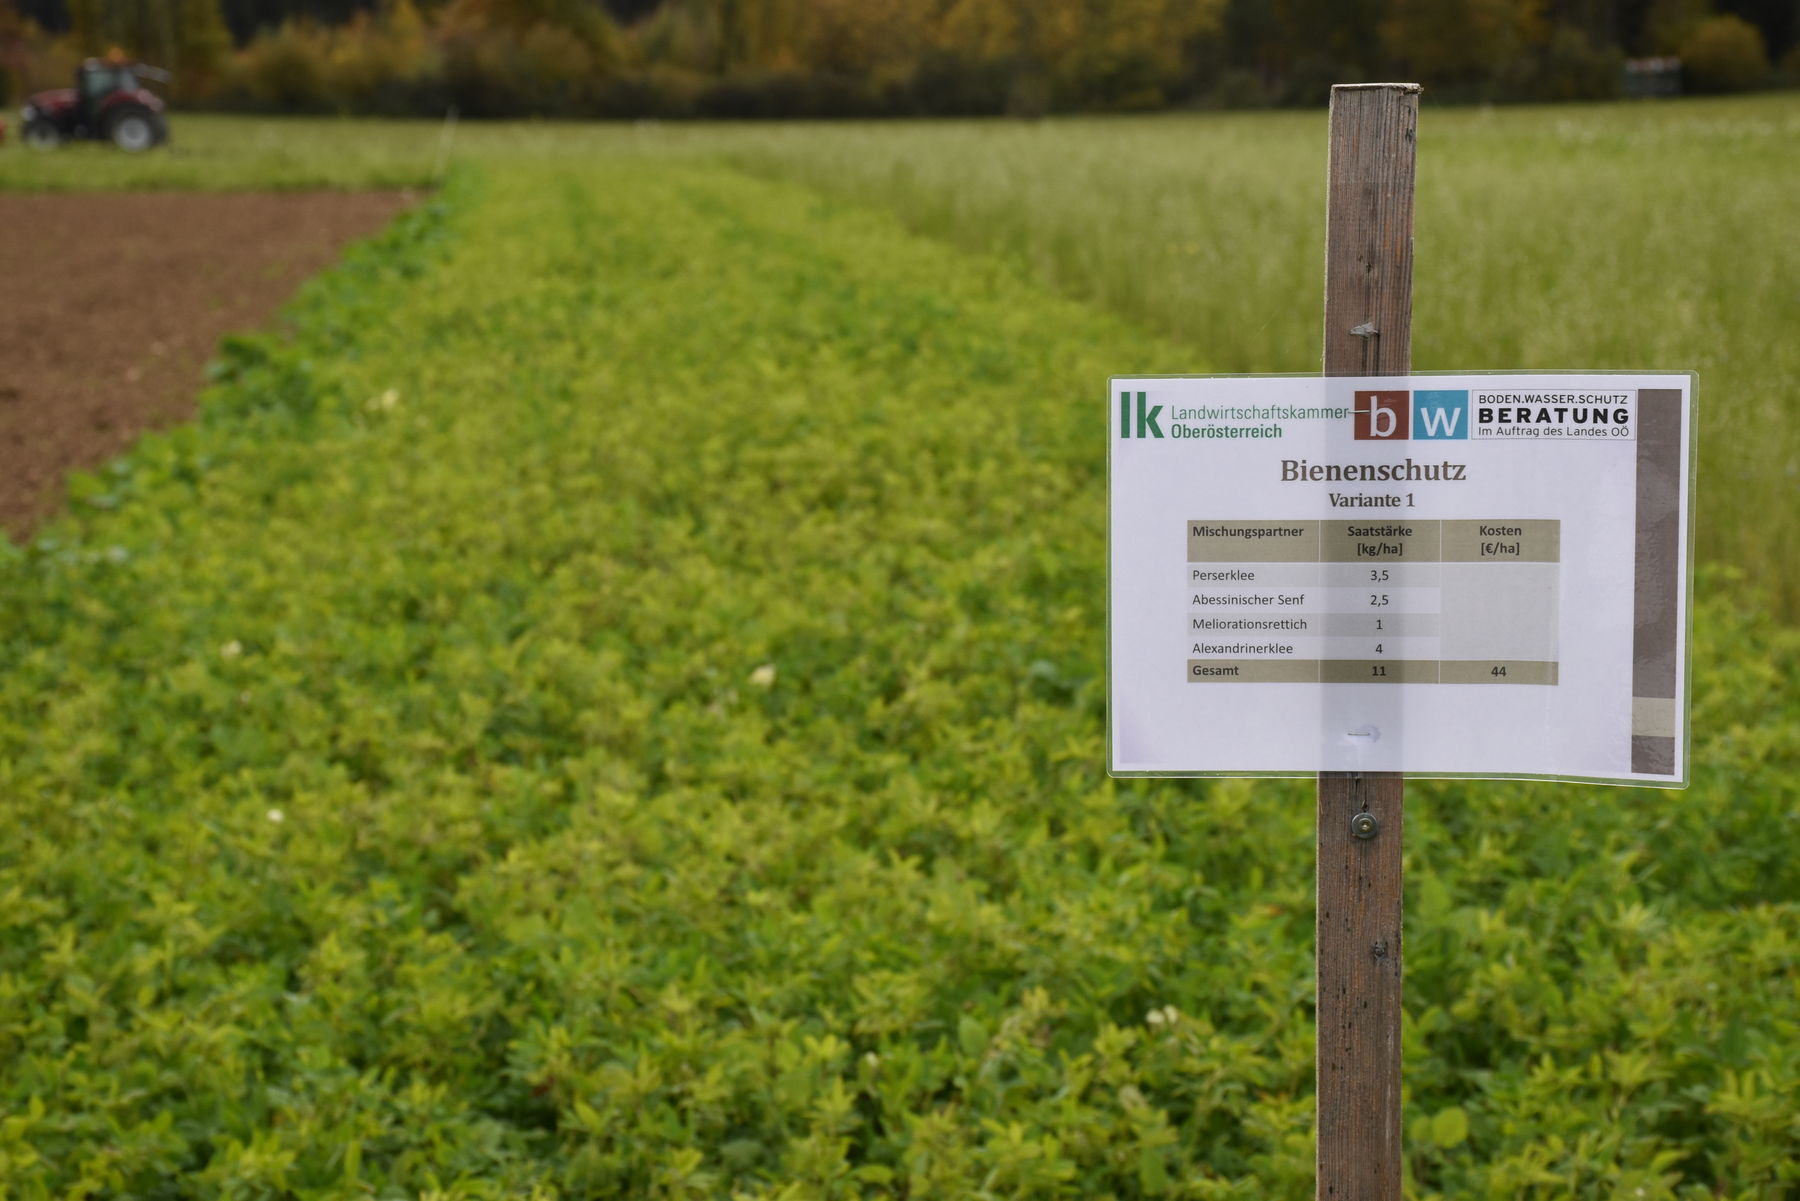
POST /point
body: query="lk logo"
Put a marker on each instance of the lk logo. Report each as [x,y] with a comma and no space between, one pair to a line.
[1146,416]
[1421,416]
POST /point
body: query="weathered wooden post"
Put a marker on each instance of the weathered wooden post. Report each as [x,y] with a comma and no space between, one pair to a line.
[1368,331]
[1436,606]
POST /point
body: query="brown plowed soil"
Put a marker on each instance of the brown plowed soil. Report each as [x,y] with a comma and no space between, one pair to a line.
[110,306]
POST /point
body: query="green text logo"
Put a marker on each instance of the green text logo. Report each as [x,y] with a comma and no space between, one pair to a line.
[1146,417]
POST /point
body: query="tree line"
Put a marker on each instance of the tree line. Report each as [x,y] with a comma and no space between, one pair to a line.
[829,58]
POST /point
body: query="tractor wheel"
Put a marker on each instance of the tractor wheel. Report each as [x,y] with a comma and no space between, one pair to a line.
[133,130]
[42,135]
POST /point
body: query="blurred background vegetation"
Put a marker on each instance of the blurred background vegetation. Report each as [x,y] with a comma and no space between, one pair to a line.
[830,58]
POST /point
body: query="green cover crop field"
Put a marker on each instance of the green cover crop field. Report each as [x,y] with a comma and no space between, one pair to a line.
[610,703]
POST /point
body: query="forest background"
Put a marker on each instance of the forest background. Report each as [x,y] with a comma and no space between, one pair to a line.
[862,58]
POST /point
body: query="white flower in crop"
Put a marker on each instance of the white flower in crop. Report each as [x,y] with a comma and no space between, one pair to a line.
[276,816]
[1168,1015]
[764,676]
[231,650]
[383,403]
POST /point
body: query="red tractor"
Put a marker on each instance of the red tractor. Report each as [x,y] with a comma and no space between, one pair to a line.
[108,101]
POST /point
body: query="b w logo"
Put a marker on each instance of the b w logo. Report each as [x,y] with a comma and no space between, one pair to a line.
[1419,416]
[1384,416]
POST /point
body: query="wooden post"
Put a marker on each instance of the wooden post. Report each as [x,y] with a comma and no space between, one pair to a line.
[1368,331]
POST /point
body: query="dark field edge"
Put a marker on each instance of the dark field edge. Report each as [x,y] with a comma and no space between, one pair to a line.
[262,388]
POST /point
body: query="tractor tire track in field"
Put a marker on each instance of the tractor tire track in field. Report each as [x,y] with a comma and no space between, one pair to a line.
[110,305]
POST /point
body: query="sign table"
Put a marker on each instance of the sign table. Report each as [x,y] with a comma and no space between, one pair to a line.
[1374,602]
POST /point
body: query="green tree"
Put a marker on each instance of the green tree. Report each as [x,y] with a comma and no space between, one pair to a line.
[87,32]
[1461,42]
[1105,53]
[760,33]
[145,29]
[1724,54]
[13,35]
[721,37]
[879,38]
[1667,23]
[586,21]
[202,48]
[683,35]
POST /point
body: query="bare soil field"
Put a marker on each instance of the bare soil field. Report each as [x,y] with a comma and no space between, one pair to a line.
[110,305]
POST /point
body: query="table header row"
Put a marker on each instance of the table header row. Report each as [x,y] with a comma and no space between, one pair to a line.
[1500,540]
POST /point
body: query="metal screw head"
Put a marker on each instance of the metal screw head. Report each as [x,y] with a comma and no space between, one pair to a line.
[1364,825]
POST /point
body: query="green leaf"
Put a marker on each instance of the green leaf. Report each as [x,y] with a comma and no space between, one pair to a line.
[1153,1171]
[1450,1127]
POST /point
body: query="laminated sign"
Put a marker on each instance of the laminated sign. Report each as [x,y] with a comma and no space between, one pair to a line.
[1447,575]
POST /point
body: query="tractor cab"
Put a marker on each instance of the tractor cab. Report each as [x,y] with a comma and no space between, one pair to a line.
[108,102]
[97,78]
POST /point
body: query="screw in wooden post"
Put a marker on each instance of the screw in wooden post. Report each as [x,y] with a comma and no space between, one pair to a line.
[1368,331]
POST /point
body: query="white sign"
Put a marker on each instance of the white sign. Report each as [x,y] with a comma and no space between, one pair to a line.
[1481,575]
